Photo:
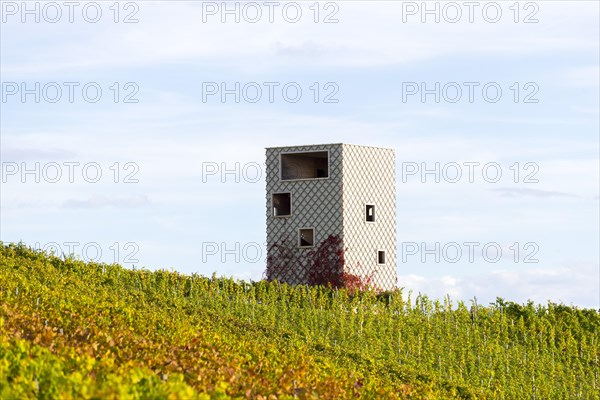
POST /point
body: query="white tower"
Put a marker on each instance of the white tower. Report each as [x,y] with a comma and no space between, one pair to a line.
[339,189]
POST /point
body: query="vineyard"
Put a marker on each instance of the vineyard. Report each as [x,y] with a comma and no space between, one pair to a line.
[70,329]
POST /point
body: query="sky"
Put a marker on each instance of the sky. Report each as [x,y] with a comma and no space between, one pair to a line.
[134,132]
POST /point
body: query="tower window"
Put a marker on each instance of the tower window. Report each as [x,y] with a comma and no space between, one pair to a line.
[306,237]
[310,165]
[370,213]
[380,257]
[282,204]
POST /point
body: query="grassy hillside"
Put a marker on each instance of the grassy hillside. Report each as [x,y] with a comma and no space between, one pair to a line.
[74,330]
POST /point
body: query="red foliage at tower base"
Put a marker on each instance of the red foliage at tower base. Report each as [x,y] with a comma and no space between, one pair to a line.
[325,265]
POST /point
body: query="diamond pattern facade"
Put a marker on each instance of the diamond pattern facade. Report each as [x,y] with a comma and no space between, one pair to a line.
[369,178]
[335,205]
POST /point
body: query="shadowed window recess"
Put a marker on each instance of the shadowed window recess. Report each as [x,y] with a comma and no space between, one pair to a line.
[309,165]
[370,213]
[306,237]
[282,204]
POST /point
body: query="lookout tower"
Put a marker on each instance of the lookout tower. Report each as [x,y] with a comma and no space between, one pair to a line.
[315,191]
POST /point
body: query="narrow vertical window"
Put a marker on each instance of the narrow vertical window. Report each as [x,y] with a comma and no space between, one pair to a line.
[380,257]
[370,213]
[282,204]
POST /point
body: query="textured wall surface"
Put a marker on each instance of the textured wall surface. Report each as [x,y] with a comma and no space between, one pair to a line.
[316,203]
[358,175]
[368,177]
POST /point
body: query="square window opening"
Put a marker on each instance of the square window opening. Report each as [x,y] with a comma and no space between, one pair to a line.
[310,165]
[282,204]
[306,237]
[370,213]
[380,257]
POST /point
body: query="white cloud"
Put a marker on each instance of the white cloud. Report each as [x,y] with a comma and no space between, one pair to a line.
[96,201]
[368,34]
[586,76]
[577,285]
[516,192]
